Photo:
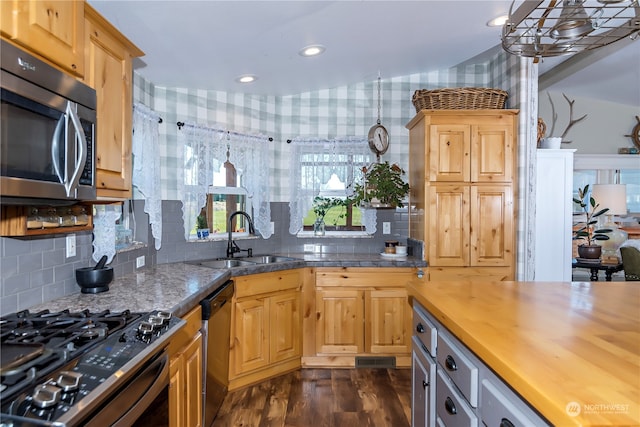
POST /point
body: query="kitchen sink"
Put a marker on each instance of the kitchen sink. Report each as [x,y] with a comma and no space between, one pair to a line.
[222,263]
[268,259]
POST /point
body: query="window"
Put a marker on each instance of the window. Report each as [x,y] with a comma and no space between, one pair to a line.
[327,168]
[609,169]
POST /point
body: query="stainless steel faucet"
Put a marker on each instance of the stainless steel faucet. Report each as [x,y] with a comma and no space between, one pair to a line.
[232,246]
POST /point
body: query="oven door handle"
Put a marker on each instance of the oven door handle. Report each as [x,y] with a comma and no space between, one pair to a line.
[139,395]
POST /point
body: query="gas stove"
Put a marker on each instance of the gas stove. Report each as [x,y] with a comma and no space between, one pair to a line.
[60,368]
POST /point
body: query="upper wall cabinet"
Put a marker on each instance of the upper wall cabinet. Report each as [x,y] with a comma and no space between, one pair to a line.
[108,63]
[53,29]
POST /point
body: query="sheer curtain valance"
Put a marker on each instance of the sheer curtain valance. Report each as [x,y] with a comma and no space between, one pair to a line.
[205,149]
[146,165]
[312,164]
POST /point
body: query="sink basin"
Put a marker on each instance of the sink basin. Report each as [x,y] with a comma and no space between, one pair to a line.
[268,259]
[223,263]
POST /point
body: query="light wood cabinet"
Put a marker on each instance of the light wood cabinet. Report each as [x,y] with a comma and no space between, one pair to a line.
[462,176]
[359,312]
[109,68]
[266,327]
[53,30]
[185,370]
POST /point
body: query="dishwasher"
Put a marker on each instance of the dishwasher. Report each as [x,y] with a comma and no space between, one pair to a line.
[216,329]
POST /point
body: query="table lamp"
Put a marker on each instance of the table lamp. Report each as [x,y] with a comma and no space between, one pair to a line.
[614,197]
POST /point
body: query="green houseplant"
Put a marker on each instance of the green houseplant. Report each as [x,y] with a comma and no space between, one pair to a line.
[382,186]
[322,205]
[586,230]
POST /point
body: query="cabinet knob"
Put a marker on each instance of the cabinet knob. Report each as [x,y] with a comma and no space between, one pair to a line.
[426,384]
[506,423]
[420,328]
[450,406]
[450,363]
[420,274]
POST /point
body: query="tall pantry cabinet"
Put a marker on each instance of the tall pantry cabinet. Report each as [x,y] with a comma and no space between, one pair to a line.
[462,168]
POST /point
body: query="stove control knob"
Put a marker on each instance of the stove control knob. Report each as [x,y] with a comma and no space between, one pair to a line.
[156,321]
[69,380]
[145,328]
[46,395]
[164,315]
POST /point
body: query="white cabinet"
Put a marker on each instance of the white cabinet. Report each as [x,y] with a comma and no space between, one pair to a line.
[423,373]
[553,217]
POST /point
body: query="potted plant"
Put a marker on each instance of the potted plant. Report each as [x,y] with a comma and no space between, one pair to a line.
[586,230]
[202,229]
[382,186]
[322,205]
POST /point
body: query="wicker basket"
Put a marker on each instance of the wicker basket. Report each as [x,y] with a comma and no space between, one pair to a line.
[463,98]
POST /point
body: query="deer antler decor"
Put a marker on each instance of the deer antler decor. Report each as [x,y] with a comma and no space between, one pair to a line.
[572,122]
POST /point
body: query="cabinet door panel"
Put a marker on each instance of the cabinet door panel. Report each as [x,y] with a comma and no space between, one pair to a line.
[491,225]
[109,73]
[193,382]
[449,225]
[52,29]
[176,391]
[285,326]
[449,153]
[340,321]
[250,345]
[389,321]
[492,153]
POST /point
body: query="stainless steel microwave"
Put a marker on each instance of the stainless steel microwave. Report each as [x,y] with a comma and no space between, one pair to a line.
[47,128]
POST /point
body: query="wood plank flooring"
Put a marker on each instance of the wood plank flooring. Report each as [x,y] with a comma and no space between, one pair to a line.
[322,398]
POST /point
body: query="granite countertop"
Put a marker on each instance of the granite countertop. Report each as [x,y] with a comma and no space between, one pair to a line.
[178,287]
[560,345]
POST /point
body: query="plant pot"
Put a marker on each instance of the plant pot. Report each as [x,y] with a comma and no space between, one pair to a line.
[552,142]
[203,233]
[589,252]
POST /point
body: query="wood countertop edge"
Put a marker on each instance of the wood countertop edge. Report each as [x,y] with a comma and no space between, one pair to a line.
[548,406]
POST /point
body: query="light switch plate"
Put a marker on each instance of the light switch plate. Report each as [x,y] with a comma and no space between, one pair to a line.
[71,245]
[386,228]
[140,261]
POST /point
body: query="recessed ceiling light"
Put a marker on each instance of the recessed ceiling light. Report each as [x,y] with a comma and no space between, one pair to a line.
[498,21]
[246,78]
[313,50]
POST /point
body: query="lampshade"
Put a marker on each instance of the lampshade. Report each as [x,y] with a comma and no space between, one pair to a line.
[612,196]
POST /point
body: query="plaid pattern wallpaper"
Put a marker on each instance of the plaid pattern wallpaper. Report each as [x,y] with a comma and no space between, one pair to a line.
[337,112]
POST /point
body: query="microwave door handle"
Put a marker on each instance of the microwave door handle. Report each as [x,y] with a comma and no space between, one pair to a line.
[55,147]
[81,156]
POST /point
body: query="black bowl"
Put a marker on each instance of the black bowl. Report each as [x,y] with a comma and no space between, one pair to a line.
[94,281]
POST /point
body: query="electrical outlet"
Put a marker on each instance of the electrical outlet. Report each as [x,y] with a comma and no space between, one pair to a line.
[386,228]
[71,245]
[140,261]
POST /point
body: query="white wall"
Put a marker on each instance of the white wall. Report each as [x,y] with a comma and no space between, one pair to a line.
[602,132]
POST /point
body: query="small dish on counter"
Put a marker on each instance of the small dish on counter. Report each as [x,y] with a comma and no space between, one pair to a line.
[396,256]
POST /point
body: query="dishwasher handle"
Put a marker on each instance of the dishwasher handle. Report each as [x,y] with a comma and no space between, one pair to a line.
[216,300]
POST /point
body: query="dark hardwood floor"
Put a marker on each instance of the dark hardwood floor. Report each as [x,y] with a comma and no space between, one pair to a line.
[323,398]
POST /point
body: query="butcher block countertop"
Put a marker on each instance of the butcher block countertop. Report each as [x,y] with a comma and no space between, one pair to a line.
[572,350]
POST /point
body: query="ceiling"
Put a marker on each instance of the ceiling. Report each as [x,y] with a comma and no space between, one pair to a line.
[208,44]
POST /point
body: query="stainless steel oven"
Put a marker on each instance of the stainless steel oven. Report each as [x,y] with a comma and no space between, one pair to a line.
[92,369]
[47,128]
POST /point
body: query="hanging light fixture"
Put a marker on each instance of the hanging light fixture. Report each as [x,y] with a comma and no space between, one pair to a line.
[573,21]
[548,28]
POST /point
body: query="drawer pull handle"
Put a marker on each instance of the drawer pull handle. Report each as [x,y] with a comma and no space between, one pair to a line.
[426,384]
[450,406]
[506,423]
[450,363]
[420,328]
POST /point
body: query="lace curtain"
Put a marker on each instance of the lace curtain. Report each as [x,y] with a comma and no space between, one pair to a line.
[146,166]
[312,163]
[205,151]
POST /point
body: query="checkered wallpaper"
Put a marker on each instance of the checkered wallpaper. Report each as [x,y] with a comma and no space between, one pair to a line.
[328,113]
